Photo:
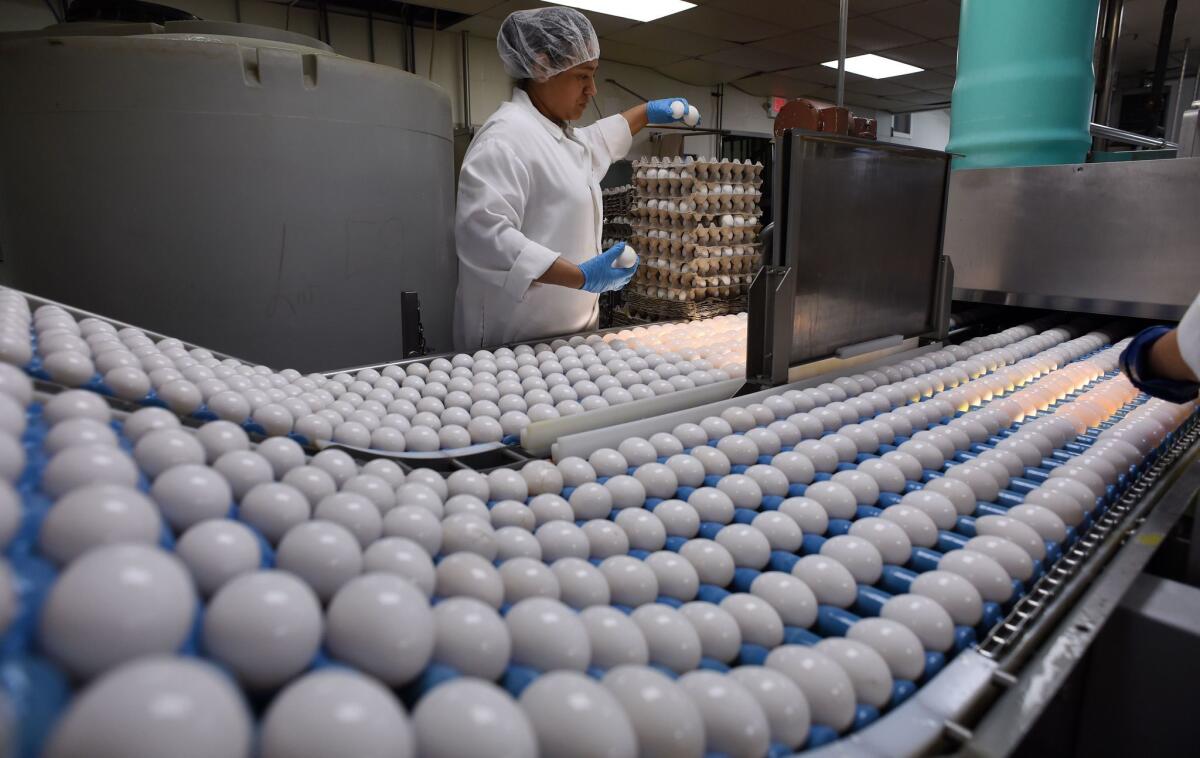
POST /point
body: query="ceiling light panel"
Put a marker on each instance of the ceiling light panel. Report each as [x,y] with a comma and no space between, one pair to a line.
[638,10]
[875,66]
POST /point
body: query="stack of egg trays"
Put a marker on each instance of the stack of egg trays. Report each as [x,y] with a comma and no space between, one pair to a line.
[618,221]
[690,209]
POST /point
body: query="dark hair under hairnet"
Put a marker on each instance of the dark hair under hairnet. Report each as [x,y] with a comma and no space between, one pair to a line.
[540,43]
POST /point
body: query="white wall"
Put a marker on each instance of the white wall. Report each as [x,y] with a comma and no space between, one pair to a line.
[930,129]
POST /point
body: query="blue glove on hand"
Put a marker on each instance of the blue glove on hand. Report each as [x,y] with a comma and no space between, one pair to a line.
[672,110]
[599,274]
[1135,363]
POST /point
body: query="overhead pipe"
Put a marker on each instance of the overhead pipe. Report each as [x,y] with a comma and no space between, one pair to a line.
[1106,73]
[1132,138]
[1158,102]
[1175,125]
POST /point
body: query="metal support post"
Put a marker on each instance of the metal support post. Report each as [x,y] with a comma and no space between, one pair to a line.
[843,22]
[772,300]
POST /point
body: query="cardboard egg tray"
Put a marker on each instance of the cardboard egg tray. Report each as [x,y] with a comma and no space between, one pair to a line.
[705,211]
[688,295]
[740,264]
[675,188]
[666,278]
[726,171]
[717,171]
[676,241]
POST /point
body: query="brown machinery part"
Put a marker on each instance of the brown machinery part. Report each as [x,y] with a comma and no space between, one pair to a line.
[818,116]
[799,114]
[863,127]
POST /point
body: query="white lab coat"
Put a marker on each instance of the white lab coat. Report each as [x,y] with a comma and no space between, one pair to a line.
[528,192]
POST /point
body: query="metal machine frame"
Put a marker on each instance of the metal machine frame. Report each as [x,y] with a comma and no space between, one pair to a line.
[1078,237]
[829,268]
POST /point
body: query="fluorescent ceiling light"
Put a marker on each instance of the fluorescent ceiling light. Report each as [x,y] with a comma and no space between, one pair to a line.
[638,10]
[875,66]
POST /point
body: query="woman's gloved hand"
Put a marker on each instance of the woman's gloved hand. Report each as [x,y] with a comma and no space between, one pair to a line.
[599,275]
[672,110]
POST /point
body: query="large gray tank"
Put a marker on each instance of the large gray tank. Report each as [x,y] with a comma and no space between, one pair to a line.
[264,197]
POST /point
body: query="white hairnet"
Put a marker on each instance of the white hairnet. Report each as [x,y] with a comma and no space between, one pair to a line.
[540,43]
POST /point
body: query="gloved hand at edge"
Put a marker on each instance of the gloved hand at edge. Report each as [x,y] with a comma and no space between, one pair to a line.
[599,274]
[1135,364]
[672,110]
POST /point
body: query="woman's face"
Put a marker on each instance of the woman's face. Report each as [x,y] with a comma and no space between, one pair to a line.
[565,96]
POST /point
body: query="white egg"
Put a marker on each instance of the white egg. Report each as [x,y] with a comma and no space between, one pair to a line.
[867,669]
[573,715]
[383,625]
[307,719]
[472,637]
[925,617]
[472,717]
[827,688]
[122,712]
[954,593]
[898,646]
[265,626]
[665,721]
[115,603]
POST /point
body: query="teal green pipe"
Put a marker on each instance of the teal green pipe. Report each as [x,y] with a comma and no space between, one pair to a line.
[1023,91]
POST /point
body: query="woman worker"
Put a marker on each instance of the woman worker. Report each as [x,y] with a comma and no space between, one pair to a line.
[529,206]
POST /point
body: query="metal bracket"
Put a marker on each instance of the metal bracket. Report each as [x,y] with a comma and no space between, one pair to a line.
[412,332]
[943,298]
[772,301]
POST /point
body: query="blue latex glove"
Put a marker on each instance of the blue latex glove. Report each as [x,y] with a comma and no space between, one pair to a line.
[1135,363]
[599,274]
[662,112]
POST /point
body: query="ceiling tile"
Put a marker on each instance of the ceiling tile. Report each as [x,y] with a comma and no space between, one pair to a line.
[862,84]
[924,80]
[638,55]
[806,46]
[818,74]
[712,22]
[603,23]
[932,19]
[951,71]
[753,58]
[873,102]
[789,14]
[696,71]
[946,93]
[861,7]
[923,98]
[665,38]
[773,85]
[867,33]
[925,54]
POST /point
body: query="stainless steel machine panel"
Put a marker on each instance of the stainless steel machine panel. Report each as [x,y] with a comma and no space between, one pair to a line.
[1115,238]
[861,229]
